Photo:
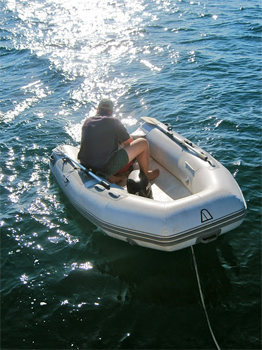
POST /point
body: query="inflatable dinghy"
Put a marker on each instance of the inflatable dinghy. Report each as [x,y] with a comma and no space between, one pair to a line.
[195,199]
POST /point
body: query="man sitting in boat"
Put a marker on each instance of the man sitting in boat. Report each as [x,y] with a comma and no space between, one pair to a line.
[100,140]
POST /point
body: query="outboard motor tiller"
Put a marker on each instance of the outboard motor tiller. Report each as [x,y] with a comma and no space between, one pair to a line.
[137,183]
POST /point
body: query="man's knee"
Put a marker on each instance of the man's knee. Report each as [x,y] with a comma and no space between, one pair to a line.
[137,147]
[141,142]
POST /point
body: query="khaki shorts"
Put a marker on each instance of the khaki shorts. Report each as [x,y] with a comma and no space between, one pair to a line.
[117,162]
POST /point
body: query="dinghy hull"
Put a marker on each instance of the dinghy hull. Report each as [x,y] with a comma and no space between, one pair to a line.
[194,200]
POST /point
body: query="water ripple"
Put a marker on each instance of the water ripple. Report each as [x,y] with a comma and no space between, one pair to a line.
[191,64]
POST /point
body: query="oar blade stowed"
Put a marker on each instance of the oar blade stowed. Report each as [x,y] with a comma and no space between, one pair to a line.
[168,131]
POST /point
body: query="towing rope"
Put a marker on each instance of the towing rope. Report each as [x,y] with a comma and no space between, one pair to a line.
[202,299]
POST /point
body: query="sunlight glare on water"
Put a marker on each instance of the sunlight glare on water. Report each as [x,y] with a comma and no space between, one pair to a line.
[194,65]
[83,39]
[60,30]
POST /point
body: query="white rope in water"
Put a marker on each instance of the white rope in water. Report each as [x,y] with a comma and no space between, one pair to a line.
[202,299]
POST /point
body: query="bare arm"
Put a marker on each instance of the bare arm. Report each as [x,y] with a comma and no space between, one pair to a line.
[127,142]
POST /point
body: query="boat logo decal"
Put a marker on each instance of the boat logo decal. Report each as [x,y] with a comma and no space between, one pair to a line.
[205,215]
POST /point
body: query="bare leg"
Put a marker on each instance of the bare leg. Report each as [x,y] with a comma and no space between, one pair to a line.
[114,179]
[139,149]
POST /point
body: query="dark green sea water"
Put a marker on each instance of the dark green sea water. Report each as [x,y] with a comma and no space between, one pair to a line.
[196,65]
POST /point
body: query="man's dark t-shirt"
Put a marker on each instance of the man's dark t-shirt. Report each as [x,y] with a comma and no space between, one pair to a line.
[100,139]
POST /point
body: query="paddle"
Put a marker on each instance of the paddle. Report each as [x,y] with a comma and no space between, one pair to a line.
[168,132]
[88,172]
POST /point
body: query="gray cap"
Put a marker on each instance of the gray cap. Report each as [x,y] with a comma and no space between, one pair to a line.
[106,103]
